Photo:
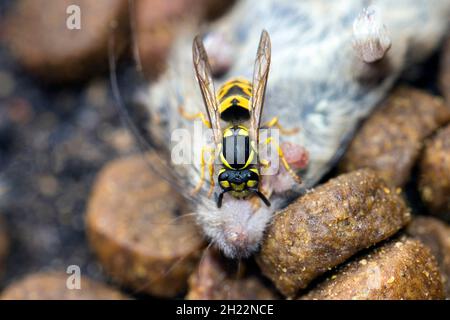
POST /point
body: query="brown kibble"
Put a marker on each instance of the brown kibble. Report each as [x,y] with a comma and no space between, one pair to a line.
[392,272]
[8,84]
[436,235]
[120,139]
[391,139]
[158,21]
[214,281]
[328,225]
[134,226]
[4,245]
[37,34]
[444,73]
[434,181]
[53,286]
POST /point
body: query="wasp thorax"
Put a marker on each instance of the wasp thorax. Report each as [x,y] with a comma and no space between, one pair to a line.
[237,150]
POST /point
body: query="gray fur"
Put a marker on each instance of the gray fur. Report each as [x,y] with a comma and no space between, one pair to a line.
[314,83]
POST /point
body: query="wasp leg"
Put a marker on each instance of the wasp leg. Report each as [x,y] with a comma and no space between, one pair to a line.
[256,203]
[211,172]
[275,122]
[265,163]
[202,170]
[194,116]
[283,160]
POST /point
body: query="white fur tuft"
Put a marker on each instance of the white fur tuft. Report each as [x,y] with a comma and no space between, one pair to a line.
[235,228]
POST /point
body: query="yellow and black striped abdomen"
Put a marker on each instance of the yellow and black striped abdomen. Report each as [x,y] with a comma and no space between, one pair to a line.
[234,100]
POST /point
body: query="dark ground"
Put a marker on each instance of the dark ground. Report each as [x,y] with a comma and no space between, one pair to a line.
[53,141]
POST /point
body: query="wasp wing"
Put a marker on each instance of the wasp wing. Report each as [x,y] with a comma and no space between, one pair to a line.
[204,77]
[157,163]
[260,76]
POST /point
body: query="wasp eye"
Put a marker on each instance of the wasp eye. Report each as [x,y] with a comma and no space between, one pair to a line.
[223,176]
[224,184]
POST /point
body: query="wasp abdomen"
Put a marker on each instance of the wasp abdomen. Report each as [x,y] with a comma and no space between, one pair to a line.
[234,100]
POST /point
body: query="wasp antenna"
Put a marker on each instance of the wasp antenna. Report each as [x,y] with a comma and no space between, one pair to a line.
[220,197]
[263,198]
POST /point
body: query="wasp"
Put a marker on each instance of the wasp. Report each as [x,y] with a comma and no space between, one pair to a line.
[239,104]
